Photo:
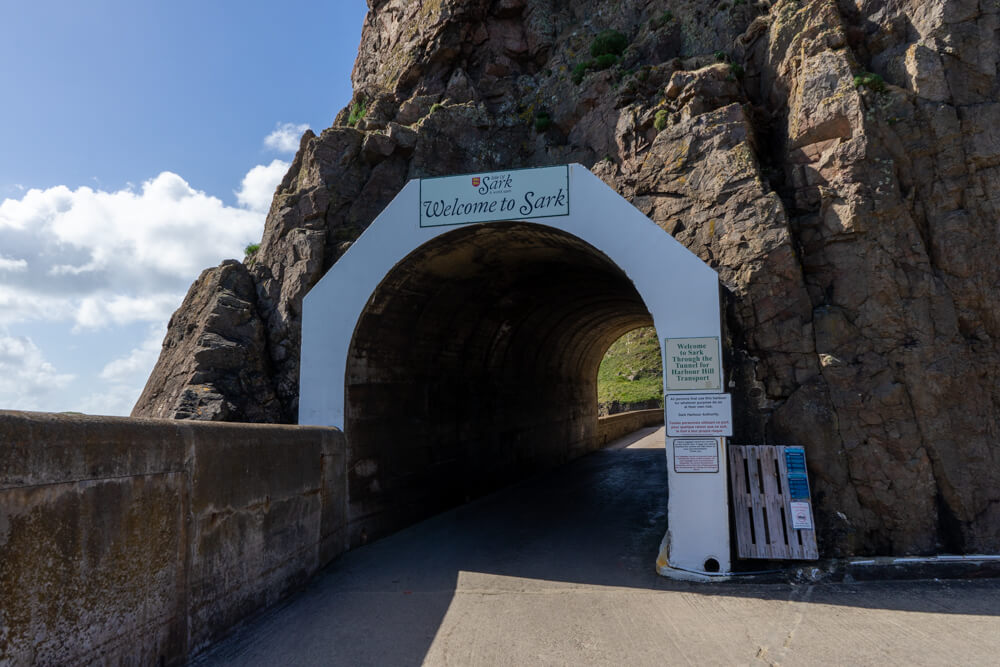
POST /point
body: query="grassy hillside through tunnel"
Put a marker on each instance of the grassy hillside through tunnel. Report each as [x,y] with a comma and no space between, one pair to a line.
[631,374]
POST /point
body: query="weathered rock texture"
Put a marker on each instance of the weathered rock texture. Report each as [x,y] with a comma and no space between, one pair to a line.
[854,223]
[220,370]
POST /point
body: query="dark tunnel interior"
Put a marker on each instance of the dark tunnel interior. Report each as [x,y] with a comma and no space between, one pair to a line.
[475,364]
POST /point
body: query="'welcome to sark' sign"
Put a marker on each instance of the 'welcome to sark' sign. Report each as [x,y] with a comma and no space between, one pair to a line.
[519,194]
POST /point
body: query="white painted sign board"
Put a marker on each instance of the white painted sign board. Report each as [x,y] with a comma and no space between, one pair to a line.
[699,415]
[518,194]
[692,364]
[696,455]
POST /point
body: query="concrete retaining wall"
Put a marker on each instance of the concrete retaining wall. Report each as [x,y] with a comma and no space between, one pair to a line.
[611,428]
[141,541]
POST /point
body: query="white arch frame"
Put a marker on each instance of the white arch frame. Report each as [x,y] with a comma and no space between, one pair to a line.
[680,291]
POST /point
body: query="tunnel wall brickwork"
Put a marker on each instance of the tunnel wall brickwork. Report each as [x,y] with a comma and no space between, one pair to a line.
[136,541]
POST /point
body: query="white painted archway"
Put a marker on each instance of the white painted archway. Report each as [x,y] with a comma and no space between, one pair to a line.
[679,290]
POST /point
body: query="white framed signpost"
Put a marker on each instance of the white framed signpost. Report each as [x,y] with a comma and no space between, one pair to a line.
[680,292]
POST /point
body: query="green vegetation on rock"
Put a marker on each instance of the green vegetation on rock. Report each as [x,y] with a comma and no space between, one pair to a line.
[870,81]
[664,18]
[631,372]
[606,50]
[358,111]
[543,121]
[604,61]
[250,253]
[660,120]
[608,43]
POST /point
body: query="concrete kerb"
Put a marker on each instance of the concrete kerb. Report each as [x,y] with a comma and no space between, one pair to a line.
[850,570]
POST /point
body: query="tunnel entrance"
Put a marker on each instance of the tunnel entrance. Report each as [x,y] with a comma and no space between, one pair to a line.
[459,349]
[475,364]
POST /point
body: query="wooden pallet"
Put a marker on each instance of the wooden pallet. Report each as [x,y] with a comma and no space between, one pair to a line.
[766,481]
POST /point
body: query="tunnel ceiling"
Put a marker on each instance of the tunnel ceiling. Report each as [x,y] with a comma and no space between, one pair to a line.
[492,291]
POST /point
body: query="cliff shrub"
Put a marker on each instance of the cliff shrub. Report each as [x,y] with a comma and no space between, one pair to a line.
[660,120]
[608,42]
[580,71]
[599,63]
[604,61]
[358,111]
[606,48]
[250,253]
[543,121]
[870,81]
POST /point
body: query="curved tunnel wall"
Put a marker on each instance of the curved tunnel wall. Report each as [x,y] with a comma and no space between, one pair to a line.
[474,364]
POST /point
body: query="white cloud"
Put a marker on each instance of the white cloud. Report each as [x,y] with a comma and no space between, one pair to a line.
[27,380]
[102,309]
[7,264]
[138,363]
[259,184]
[286,137]
[120,382]
[101,258]
[76,261]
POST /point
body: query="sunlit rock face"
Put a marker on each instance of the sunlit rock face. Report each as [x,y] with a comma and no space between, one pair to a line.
[838,163]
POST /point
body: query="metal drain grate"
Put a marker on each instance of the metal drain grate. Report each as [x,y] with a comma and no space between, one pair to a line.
[771,504]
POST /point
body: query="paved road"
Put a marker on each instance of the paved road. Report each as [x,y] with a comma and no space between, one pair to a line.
[558,570]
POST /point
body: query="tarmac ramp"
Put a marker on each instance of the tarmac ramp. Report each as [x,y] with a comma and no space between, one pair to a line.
[558,570]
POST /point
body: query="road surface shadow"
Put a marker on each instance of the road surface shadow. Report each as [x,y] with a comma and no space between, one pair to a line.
[597,521]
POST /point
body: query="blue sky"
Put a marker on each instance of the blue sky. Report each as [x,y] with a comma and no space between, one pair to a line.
[140,143]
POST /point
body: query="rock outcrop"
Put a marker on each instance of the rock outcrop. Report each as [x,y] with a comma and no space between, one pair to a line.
[218,367]
[837,162]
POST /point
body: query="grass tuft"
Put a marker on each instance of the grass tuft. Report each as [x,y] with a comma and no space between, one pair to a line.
[358,111]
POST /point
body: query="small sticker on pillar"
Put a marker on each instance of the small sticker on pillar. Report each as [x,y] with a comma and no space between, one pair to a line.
[801,515]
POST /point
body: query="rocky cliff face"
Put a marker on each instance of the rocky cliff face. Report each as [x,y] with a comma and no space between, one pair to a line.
[837,162]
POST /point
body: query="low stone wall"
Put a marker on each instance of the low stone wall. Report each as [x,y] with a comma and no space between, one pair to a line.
[140,541]
[611,428]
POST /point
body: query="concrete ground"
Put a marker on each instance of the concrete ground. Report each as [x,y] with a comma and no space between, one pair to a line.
[559,570]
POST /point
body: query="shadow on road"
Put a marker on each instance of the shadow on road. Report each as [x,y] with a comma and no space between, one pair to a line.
[595,522]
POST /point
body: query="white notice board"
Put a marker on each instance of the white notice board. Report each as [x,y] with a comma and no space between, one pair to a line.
[692,364]
[696,455]
[699,415]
